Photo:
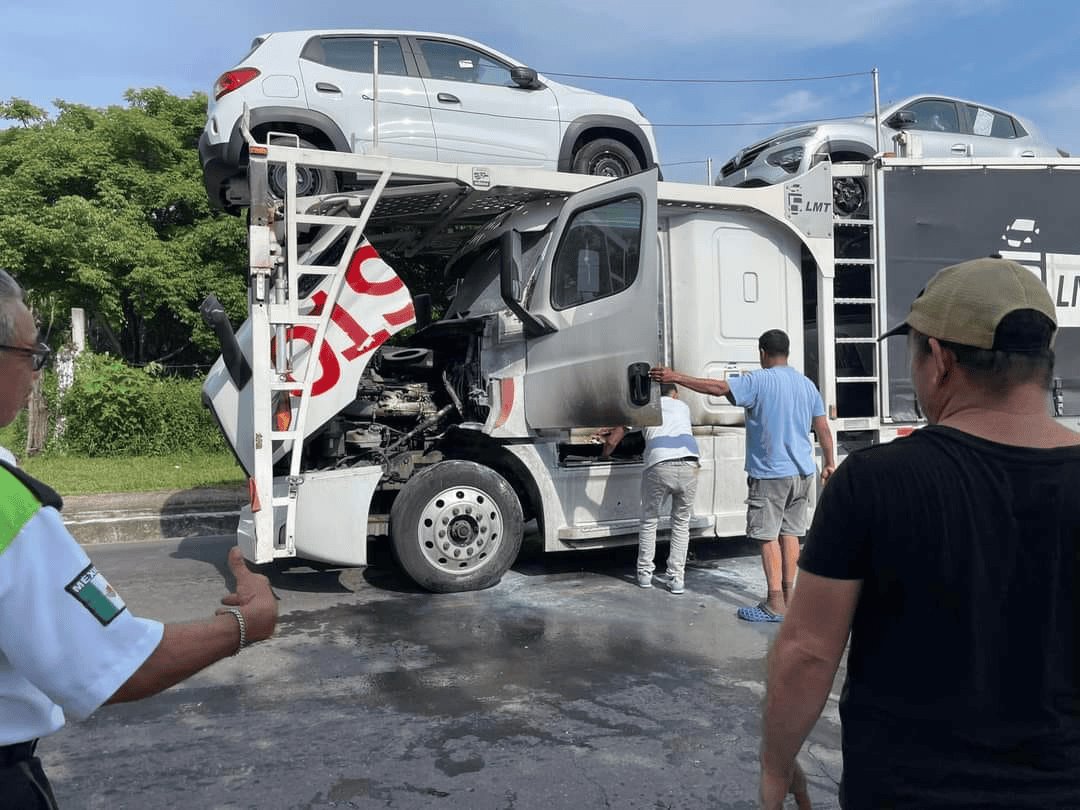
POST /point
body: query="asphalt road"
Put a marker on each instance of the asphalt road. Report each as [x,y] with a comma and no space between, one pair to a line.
[566,686]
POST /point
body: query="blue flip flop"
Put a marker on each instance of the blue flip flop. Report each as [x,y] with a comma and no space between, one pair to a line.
[758,613]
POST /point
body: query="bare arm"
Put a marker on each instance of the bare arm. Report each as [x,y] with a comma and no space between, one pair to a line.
[802,664]
[825,439]
[188,648]
[703,385]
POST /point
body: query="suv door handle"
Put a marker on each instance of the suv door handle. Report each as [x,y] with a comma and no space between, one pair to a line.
[448,98]
[326,87]
[962,148]
[1027,153]
[637,375]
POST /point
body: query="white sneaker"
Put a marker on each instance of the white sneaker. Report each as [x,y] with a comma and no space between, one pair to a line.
[644,580]
[675,585]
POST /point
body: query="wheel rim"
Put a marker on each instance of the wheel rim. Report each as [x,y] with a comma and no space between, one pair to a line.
[459,530]
[308,181]
[608,164]
[848,195]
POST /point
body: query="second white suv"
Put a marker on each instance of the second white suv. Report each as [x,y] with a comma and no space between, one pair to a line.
[439,97]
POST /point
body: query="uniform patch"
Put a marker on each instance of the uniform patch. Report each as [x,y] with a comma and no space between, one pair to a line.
[96,595]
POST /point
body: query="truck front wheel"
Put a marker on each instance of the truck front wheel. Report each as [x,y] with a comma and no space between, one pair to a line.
[456,526]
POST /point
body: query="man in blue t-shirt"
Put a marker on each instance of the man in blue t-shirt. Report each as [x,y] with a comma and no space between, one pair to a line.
[782,406]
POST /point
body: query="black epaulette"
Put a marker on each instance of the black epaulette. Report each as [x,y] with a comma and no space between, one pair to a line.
[45,494]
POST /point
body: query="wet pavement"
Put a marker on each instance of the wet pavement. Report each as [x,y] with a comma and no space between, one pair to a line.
[566,686]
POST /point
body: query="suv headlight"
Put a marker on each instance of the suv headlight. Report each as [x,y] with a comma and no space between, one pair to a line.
[787,159]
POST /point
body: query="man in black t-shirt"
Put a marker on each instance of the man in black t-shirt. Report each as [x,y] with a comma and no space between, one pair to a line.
[951,557]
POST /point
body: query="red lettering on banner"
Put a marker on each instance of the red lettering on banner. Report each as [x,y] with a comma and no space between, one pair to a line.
[328,362]
[402,316]
[354,276]
[362,341]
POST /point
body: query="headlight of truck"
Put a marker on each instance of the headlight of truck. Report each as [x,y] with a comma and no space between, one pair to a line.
[787,159]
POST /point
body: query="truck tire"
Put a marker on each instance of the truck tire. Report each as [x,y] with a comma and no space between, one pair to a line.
[606,157]
[309,182]
[456,526]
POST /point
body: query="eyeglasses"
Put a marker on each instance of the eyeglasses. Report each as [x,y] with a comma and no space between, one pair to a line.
[39,355]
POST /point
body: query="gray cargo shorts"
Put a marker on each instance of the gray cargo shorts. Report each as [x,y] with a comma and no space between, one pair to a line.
[776,506]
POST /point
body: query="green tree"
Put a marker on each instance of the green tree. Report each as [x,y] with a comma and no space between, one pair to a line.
[21,110]
[105,209]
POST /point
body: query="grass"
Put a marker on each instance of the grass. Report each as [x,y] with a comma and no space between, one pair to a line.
[71,475]
[86,476]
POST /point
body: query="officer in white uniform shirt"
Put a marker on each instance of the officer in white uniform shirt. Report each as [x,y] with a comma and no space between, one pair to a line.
[671,469]
[68,644]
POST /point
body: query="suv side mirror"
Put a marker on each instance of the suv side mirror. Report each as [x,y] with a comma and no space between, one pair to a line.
[525,78]
[901,119]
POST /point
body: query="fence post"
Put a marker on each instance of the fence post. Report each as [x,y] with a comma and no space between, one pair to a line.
[65,363]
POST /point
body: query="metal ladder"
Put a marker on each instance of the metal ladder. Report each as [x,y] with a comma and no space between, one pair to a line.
[855,303]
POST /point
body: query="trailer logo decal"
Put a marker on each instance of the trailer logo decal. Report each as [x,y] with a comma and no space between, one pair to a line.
[794,198]
[1060,272]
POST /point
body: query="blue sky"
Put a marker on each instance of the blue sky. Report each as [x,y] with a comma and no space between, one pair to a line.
[1012,55]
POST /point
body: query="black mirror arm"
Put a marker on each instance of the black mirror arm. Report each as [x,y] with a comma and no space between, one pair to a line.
[510,254]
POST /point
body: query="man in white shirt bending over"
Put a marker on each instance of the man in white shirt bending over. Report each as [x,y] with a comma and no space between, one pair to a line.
[671,468]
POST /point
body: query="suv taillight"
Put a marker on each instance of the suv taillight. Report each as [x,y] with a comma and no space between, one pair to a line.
[233,79]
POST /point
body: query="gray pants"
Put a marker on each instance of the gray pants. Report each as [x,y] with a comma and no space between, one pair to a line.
[679,480]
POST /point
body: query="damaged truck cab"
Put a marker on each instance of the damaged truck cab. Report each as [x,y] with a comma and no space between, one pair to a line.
[565,289]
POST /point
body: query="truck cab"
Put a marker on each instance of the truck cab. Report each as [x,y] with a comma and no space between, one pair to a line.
[364,417]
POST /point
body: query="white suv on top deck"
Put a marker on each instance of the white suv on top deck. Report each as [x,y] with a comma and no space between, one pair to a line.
[440,98]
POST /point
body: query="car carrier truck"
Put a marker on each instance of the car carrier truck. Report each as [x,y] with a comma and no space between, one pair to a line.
[357,415]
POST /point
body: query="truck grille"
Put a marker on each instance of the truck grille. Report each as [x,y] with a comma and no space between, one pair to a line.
[745,159]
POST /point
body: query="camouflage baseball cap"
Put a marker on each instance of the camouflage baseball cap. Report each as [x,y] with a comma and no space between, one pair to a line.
[965,304]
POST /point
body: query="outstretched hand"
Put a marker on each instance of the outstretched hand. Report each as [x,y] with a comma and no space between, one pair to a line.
[662,374]
[254,598]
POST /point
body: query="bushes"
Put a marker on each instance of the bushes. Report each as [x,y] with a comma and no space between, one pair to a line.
[113,409]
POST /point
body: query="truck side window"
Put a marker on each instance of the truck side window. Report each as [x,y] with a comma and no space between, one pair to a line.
[599,253]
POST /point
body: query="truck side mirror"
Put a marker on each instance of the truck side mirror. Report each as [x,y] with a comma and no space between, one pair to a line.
[525,78]
[902,119]
[510,286]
